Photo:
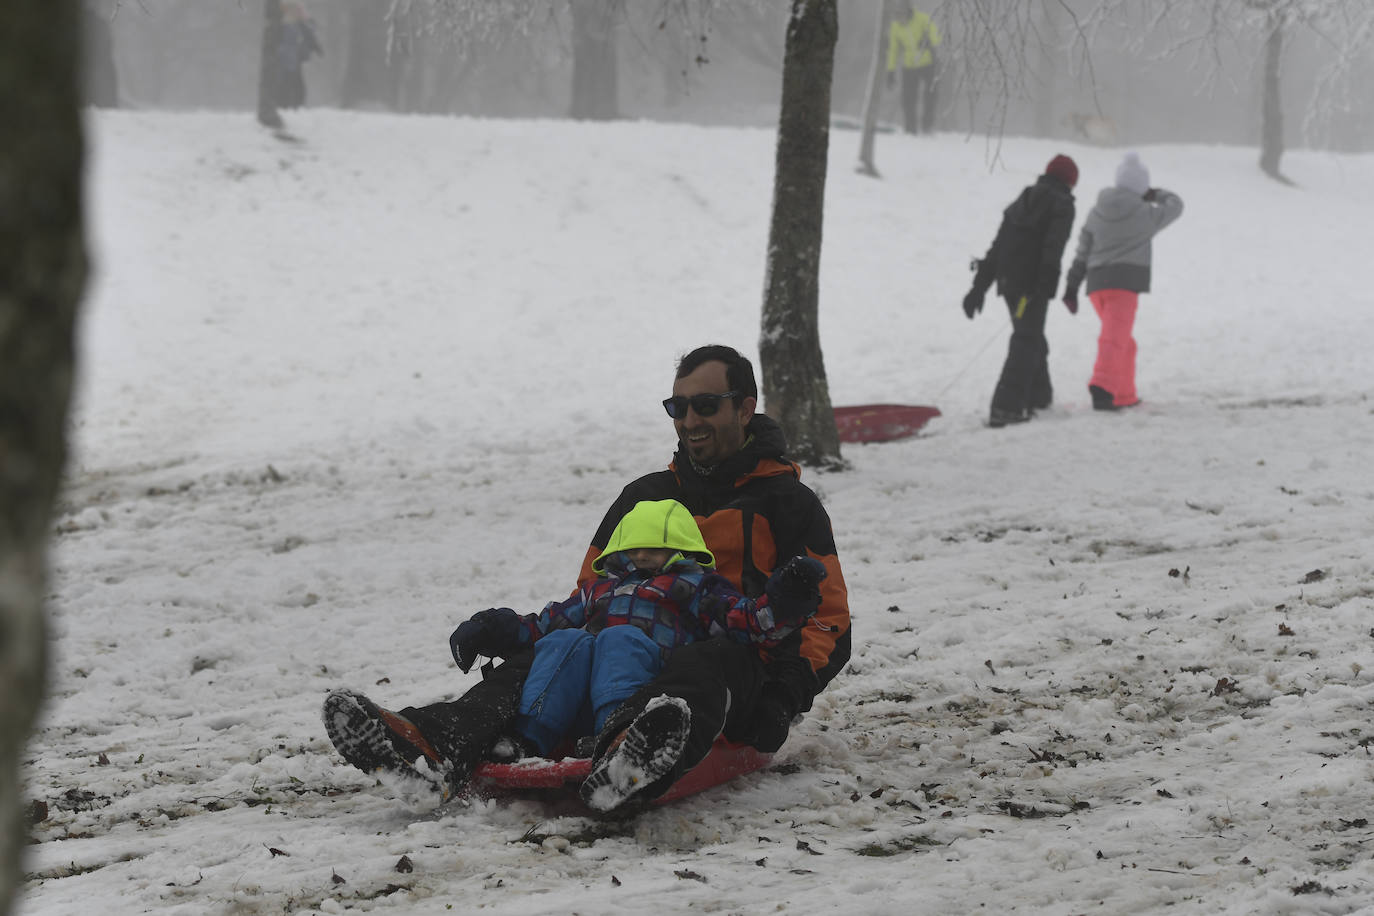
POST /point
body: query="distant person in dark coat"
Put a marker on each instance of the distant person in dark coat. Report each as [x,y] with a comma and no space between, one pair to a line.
[298,45]
[1114,254]
[1024,261]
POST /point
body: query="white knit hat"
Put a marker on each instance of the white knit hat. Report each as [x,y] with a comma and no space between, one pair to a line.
[1132,175]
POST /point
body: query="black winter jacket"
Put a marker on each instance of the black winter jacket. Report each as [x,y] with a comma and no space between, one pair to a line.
[1025,255]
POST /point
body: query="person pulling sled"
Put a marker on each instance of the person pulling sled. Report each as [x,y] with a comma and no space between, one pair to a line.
[1024,261]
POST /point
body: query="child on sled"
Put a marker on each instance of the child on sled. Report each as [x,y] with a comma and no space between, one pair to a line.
[656,591]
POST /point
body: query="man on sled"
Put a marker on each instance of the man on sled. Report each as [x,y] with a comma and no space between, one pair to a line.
[754,514]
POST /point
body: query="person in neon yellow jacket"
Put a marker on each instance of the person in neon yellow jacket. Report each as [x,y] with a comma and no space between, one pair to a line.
[912,38]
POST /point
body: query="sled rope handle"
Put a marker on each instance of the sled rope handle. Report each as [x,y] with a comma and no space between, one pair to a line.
[958,375]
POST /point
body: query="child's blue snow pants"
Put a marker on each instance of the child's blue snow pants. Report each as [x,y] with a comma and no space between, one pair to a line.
[579,679]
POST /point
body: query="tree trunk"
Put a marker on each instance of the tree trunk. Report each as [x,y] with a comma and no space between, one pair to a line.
[794,384]
[594,72]
[1271,118]
[363,35]
[42,276]
[450,69]
[405,59]
[101,79]
[1048,54]
[267,70]
[375,68]
[875,92]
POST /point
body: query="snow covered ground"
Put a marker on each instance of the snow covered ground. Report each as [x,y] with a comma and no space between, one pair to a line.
[340,394]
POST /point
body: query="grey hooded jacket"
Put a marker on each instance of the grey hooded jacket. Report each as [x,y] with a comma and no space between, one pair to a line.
[1114,244]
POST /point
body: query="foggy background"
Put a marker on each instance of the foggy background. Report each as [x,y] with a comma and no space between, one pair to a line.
[725,68]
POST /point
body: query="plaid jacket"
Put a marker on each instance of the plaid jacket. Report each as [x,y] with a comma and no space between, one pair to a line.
[679,604]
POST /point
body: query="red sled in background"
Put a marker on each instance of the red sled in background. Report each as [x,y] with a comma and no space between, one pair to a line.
[882,422]
[725,761]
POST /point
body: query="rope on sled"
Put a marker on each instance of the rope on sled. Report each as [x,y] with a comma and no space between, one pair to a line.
[960,374]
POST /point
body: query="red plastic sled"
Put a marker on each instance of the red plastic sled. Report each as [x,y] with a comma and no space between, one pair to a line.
[881,422]
[725,761]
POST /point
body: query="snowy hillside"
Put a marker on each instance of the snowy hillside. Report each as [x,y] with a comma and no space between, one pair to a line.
[340,394]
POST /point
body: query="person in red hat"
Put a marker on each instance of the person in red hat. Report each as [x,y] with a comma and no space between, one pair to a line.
[1024,262]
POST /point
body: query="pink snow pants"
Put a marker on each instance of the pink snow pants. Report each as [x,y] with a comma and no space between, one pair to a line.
[1115,367]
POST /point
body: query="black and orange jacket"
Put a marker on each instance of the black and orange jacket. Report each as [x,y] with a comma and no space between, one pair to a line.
[755,514]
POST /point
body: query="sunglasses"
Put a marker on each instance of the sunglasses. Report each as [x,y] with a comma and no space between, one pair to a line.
[705,405]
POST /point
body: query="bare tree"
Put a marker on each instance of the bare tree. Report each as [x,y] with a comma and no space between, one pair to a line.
[999,56]
[1196,33]
[794,383]
[594,64]
[101,77]
[750,29]
[267,69]
[42,276]
[873,97]
[1274,19]
[1271,106]
[594,25]
[1046,68]
[590,34]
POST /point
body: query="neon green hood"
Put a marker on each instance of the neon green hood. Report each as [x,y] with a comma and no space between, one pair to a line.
[664,523]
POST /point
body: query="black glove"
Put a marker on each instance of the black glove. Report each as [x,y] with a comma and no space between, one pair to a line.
[494,632]
[1151,195]
[793,590]
[1071,303]
[973,303]
[772,719]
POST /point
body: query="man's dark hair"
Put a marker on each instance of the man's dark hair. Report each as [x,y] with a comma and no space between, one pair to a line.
[739,372]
